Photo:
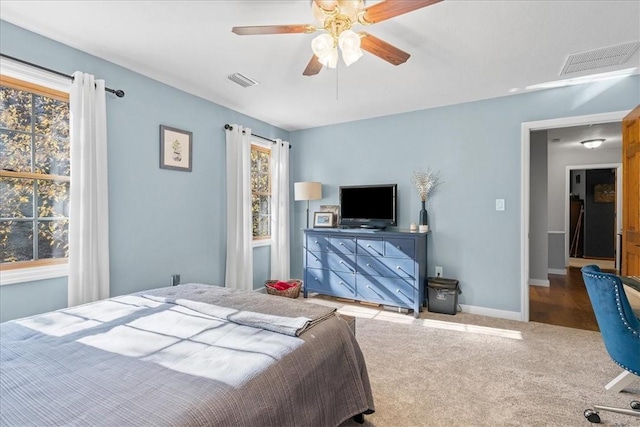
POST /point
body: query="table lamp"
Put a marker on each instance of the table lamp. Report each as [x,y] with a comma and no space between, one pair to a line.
[307,191]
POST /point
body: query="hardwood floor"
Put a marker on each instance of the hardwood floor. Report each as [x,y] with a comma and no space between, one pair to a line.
[564,303]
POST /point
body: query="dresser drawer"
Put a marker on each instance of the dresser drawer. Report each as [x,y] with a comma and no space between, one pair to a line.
[386,267]
[332,261]
[339,284]
[385,290]
[399,248]
[345,245]
[318,242]
[370,246]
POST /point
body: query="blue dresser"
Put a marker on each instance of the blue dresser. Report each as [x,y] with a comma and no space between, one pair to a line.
[383,267]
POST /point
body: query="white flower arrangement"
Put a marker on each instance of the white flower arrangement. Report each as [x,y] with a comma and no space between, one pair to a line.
[425,182]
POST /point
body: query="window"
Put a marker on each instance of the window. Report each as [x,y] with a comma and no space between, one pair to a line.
[34,174]
[261,191]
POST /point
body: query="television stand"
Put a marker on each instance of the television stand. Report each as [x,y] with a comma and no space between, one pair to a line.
[372,227]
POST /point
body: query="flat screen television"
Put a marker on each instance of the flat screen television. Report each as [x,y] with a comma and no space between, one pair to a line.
[368,206]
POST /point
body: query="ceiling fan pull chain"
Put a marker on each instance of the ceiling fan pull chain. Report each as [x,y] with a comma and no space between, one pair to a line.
[337,74]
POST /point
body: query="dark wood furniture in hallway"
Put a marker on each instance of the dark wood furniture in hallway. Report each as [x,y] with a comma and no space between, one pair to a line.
[564,303]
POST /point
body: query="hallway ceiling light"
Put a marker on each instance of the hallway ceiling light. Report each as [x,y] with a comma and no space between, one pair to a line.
[592,143]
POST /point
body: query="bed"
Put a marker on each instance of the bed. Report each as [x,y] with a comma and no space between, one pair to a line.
[189,355]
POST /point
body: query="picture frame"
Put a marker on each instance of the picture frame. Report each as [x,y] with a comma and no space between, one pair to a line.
[176,149]
[604,193]
[323,220]
[335,210]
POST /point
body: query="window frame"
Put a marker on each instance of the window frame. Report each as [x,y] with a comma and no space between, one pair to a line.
[54,86]
[258,241]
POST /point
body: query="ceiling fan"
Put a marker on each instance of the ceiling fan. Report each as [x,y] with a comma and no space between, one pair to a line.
[337,17]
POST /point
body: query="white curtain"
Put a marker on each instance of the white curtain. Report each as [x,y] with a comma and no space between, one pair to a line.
[239,266]
[280,262]
[88,206]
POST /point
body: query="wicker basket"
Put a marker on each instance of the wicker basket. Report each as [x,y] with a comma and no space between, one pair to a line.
[292,292]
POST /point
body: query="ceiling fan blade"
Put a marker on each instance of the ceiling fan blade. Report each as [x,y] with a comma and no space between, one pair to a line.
[382,49]
[273,29]
[392,8]
[313,67]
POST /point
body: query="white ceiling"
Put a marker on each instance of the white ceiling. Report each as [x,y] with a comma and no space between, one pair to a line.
[569,138]
[460,51]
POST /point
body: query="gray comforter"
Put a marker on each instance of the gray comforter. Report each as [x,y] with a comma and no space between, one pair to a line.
[194,358]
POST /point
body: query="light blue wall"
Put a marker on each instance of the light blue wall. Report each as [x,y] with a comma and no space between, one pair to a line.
[161,221]
[476,146]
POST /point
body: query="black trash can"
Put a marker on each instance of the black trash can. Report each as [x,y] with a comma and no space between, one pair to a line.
[443,295]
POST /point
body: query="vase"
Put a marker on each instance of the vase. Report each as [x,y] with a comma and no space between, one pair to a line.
[423,214]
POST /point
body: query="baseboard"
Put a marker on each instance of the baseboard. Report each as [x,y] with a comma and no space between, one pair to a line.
[262,290]
[538,282]
[491,312]
[559,271]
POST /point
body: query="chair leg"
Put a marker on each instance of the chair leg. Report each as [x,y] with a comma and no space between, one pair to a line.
[618,410]
[620,382]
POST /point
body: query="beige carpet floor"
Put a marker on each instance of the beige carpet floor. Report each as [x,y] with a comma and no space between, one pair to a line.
[470,370]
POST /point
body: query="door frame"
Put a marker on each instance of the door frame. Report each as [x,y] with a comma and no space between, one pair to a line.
[525,154]
[618,205]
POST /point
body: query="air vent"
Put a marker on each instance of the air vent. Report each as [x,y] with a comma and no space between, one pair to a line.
[599,58]
[242,80]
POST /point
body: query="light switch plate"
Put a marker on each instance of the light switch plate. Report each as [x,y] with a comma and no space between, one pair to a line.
[499,204]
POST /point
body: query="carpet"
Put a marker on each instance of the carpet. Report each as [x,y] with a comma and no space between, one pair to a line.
[470,370]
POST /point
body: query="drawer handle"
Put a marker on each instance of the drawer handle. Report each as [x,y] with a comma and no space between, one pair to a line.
[400,292]
[374,250]
[342,262]
[374,291]
[404,271]
[372,268]
[341,244]
[346,286]
[397,247]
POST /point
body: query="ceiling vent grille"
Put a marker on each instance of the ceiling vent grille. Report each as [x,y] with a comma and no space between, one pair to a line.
[599,58]
[242,80]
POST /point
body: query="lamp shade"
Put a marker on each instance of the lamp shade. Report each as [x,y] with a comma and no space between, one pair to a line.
[307,191]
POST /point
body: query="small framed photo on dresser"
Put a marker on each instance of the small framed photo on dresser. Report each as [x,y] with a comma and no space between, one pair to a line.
[323,219]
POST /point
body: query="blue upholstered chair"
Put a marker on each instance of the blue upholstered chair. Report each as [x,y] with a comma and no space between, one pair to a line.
[620,330]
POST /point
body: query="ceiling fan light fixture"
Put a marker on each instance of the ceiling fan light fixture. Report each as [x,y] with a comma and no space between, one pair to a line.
[592,143]
[324,48]
[349,43]
[351,8]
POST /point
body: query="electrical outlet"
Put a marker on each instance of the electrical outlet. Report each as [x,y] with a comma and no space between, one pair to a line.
[438,271]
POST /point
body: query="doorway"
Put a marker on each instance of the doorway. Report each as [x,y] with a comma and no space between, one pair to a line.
[527,129]
[593,215]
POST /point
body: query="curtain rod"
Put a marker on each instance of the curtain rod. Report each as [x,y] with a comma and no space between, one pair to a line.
[229,127]
[117,92]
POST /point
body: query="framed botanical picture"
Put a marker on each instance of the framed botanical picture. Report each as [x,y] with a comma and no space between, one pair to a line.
[323,219]
[175,149]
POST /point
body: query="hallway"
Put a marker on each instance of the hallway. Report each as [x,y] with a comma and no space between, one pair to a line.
[564,303]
